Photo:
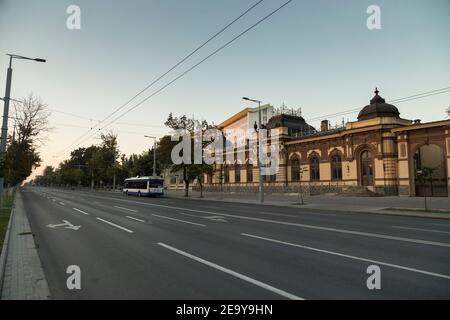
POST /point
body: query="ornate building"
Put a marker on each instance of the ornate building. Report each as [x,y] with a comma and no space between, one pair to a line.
[380,152]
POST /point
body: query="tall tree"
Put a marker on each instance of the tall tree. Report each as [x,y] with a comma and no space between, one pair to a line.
[31,122]
[190,171]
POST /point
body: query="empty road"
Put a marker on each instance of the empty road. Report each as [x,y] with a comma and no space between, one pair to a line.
[168,248]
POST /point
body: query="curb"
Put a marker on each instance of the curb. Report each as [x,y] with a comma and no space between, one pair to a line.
[4,253]
[31,281]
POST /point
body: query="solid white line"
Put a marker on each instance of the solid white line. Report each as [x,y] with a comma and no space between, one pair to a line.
[307,226]
[115,225]
[125,209]
[233,273]
[81,211]
[197,224]
[132,218]
[419,229]
[349,256]
[62,203]
[440,225]
[358,233]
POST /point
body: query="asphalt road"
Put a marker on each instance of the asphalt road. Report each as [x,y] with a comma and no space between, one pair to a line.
[168,248]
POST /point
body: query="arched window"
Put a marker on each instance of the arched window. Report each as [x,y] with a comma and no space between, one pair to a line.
[314,168]
[336,167]
[237,173]
[295,169]
[249,172]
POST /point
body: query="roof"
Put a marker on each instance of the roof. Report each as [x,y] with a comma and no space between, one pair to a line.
[378,108]
[241,114]
[289,121]
[418,126]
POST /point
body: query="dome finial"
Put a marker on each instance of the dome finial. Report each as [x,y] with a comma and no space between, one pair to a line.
[376,91]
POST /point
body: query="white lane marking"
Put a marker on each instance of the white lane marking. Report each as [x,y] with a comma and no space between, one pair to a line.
[125,209]
[287,215]
[233,273]
[365,234]
[115,225]
[349,256]
[440,225]
[164,217]
[62,203]
[276,214]
[419,229]
[80,211]
[307,226]
[216,218]
[133,218]
[212,218]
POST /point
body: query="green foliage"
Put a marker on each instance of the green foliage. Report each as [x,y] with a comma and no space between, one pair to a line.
[190,171]
[99,164]
[22,157]
[425,175]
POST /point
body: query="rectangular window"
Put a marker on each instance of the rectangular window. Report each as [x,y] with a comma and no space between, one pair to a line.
[237,173]
[315,169]
[226,174]
[336,168]
[249,173]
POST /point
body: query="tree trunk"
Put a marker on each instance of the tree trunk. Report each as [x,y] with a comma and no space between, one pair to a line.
[186,188]
[186,183]
[201,188]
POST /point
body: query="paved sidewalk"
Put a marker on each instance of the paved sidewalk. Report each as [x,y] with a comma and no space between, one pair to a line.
[332,202]
[23,277]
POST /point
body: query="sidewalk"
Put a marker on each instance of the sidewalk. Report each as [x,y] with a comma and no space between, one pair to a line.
[22,276]
[332,202]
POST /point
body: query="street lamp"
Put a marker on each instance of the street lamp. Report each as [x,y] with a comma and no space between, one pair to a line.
[6,100]
[154,154]
[261,177]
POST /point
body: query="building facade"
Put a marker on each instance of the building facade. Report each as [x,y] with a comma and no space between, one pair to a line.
[379,152]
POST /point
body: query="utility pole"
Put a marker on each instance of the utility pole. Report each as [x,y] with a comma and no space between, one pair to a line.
[261,176]
[154,154]
[5,118]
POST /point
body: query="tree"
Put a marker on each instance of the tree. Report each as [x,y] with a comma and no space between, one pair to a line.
[448,112]
[190,171]
[30,125]
[423,177]
[198,172]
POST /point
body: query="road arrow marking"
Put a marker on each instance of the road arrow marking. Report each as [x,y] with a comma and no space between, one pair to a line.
[66,225]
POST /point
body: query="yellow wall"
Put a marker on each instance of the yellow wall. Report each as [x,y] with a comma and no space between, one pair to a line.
[325,171]
[352,173]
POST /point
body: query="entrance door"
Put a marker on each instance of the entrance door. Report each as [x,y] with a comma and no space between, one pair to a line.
[366,168]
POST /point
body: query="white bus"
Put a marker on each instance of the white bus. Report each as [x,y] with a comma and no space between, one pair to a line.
[144,186]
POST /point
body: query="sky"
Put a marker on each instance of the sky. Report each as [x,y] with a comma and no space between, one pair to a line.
[318,55]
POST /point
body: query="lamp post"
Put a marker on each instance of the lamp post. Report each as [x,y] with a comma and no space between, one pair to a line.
[261,177]
[6,115]
[154,154]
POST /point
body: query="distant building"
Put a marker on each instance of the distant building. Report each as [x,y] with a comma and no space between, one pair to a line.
[380,152]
